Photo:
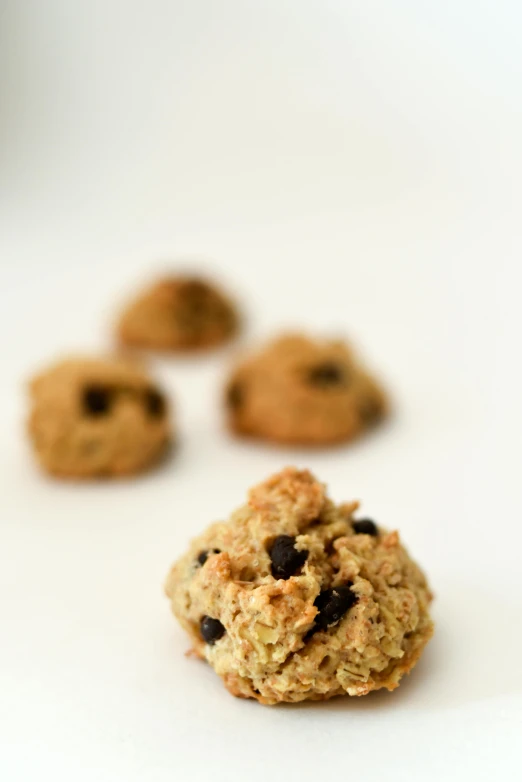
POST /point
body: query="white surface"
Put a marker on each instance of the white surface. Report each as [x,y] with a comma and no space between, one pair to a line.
[351,167]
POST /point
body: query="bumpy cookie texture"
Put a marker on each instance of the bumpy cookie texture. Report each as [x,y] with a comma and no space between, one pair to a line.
[303,391]
[95,417]
[179,313]
[289,600]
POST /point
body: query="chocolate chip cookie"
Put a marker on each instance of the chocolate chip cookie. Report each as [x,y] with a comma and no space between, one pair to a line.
[179,313]
[303,391]
[94,417]
[297,598]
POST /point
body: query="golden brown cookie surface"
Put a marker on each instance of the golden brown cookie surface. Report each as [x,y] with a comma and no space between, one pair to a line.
[93,417]
[294,599]
[303,391]
[178,313]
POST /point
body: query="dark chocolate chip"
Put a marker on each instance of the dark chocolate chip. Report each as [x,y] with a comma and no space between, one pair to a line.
[97,400]
[197,308]
[333,605]
[204,555]
[195,289]
[326,374]
[365,527]
[235,396]
[286,559]
[196,298]
[211,629]
[193,306]
[155,402]
[371,411]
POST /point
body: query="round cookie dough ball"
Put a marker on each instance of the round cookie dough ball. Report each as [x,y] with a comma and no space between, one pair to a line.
[293,598]
[94,417]
[303,391]
[179,313]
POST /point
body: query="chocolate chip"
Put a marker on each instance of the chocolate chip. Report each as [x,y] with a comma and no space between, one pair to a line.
[326,374]
[286,559]
[365,527]
[211,629]
[196,298]
[96,400]
[371,411]
[333,605]
[155,403]
[197,308]
[195,289]
[235,395]
[204,555]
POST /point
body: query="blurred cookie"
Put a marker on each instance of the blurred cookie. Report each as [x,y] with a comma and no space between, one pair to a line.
[179,313]
[94,417]
[293,598]
[303,391]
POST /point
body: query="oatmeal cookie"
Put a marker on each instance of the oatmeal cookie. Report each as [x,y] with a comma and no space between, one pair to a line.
[296,598]
[303,391]
[178,313]
[94,417]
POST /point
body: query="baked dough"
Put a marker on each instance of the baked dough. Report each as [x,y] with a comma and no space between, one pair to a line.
[179,314]
[303,391]
[93,417]
[296,598]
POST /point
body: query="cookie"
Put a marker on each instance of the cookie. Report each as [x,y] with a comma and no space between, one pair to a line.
[302,391]
[178,313]
[295,598]
[94,417]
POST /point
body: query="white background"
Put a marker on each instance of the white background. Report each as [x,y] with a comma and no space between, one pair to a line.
[345,167]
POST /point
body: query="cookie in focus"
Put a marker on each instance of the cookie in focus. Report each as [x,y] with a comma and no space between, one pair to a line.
[295,598]
[303,391]
[97,417]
